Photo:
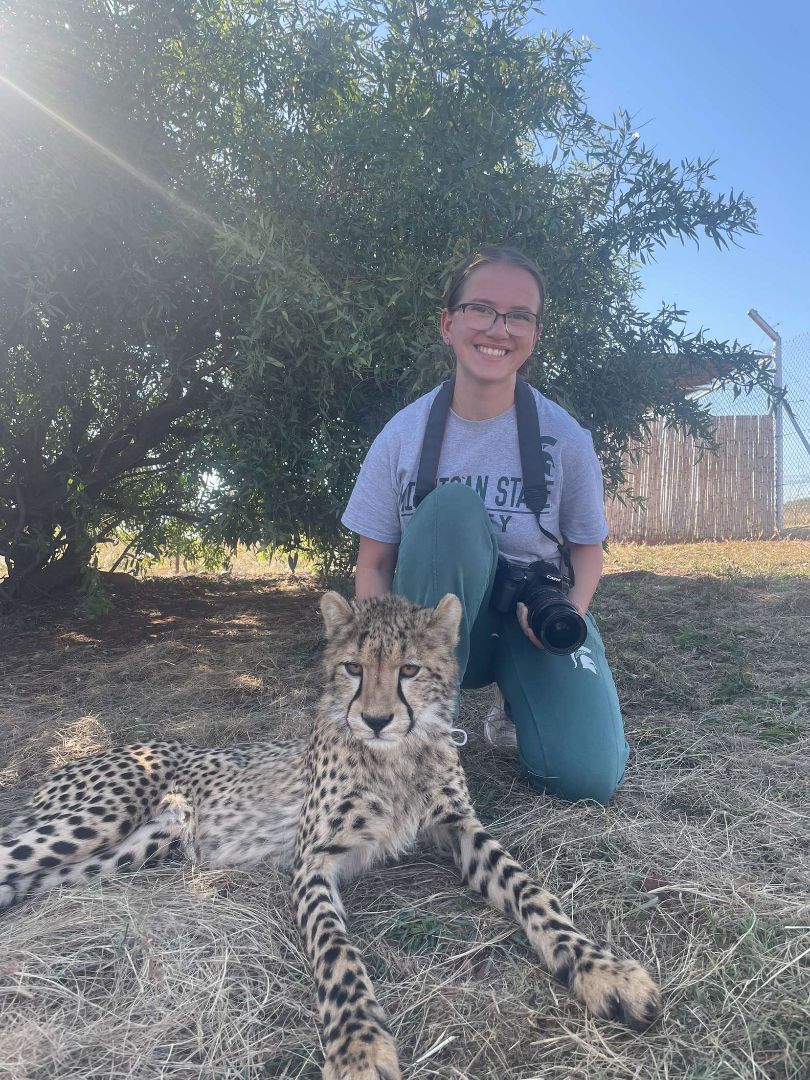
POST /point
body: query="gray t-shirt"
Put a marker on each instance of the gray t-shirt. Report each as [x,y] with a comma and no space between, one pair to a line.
[484,454]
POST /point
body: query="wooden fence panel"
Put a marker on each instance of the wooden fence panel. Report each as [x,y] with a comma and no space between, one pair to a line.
[723,496]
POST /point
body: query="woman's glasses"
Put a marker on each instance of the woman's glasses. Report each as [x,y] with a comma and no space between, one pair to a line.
[484,317]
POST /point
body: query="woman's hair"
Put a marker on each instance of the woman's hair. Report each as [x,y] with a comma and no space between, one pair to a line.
[485,256]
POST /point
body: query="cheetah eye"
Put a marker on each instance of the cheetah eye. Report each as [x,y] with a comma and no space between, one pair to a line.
[353,668]
[409,670]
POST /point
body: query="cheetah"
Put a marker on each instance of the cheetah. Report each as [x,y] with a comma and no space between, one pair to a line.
[379,770]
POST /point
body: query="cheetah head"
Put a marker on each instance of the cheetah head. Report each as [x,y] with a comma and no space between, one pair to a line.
[391,667]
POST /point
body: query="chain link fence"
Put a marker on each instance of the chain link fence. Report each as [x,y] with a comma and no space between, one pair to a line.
[793,456]
[796,424]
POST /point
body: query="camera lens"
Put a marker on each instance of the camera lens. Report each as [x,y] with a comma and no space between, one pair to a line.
[556,622]
[560,630]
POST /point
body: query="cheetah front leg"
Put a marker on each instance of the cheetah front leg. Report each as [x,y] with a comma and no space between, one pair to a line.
[610,987]
[357,1041]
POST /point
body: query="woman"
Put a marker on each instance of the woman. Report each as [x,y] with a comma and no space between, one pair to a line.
[564,707]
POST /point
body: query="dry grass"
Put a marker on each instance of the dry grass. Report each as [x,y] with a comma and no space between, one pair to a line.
[699,867]
[797,514]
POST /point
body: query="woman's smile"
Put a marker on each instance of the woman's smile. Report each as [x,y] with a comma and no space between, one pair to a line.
[492,350]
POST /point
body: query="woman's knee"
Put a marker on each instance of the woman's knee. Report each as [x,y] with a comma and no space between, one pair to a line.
[449,546]
[597,780]
[453,502]
[452,530]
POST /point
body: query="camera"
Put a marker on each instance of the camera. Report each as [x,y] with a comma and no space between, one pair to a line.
[553,618]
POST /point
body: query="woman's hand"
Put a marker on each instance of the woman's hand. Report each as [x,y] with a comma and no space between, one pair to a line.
[522,613]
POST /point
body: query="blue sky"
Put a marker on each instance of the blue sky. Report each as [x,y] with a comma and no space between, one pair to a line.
[723,80]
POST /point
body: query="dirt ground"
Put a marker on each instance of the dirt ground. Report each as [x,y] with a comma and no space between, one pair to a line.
[699,867]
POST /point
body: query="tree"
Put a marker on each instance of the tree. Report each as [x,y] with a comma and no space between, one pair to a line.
[224,228]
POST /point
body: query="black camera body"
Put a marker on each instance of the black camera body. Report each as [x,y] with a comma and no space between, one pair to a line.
[553,618]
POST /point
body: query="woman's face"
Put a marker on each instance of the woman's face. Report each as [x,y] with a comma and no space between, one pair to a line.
[487,357]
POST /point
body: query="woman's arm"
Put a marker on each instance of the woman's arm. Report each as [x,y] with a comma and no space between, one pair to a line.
[587,561]
[375,568]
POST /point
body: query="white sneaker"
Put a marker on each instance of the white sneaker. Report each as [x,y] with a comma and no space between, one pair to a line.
[499,730]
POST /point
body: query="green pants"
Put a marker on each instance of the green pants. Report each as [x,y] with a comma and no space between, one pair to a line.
[565,708]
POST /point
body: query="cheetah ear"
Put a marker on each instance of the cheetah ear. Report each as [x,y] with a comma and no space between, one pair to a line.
[336,612]
[447,616]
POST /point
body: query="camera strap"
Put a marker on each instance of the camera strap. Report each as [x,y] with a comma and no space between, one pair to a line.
[535,487]
[428,471]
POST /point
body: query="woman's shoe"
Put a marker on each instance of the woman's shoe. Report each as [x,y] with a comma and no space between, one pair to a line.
[499,730]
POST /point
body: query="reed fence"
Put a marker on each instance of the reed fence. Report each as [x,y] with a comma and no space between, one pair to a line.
[694,496]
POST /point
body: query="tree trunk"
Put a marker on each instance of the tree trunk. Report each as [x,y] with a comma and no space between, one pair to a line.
[33,584]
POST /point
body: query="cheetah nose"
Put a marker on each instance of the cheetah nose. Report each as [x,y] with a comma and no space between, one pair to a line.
[377,723]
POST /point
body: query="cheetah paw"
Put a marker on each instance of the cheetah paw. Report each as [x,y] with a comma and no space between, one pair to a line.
[375,1060]
[618,990]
